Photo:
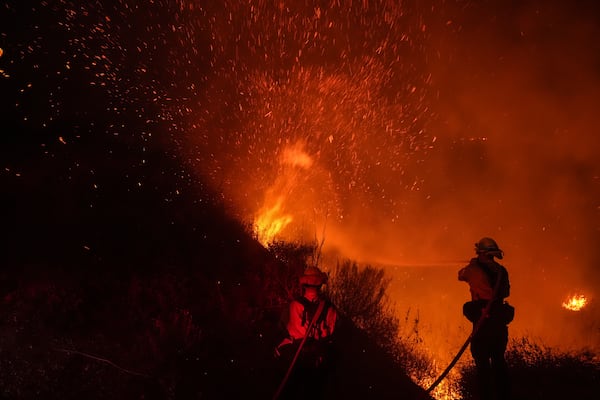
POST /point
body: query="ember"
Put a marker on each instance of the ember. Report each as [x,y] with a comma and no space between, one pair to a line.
[575,303]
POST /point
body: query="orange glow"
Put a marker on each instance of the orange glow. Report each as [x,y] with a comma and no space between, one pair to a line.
[575,302]
[282,197]
[447,389]
[270,222]
[408,158]
[297,157]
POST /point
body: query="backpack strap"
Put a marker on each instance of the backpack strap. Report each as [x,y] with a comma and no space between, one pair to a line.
[309,305]
[306,304]
[313,322]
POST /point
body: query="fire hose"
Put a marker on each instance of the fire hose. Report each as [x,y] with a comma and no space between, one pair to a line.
[462,349]
[476,327]
[291,367]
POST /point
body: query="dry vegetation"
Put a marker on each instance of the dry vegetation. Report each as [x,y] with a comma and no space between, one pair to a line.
[176,300]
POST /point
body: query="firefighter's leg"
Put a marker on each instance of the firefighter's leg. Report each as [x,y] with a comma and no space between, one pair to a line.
[480,349]
[499,365]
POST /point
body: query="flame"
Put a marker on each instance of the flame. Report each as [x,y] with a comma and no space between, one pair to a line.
[575,302]
[447,389]
[283,197]
[271,221]
[296,157]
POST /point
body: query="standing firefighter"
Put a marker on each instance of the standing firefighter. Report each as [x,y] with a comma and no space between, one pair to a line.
[307,350]
[490,314]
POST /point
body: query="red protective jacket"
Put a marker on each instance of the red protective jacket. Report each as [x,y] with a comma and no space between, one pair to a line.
[482,278]
[299,320]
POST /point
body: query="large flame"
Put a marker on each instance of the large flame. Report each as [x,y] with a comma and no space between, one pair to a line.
[271,221]
[282,197]
[406,120]
[575,303]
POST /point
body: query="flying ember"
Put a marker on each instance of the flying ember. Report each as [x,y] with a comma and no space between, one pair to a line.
[575,302]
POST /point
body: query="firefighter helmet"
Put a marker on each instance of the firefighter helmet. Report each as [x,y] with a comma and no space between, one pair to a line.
[489,246]
[313,276]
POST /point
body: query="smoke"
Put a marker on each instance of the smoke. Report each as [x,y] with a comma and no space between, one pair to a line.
[428,128]
[397,132]
[517,156]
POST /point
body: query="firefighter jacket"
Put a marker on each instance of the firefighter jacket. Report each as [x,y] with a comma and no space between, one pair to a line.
[302,310]
[482,279]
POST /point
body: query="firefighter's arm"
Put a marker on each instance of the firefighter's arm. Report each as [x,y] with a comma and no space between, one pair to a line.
[486,310]
[464,274]
[294,325]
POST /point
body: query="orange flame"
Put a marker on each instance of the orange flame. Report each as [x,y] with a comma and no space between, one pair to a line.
[296,157]
[575,302]
[446,390]
[270,222]
[275,214]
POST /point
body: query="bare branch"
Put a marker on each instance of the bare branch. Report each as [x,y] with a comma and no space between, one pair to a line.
[102,360]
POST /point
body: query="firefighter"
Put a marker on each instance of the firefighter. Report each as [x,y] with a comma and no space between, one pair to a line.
[489,286]
[309,372]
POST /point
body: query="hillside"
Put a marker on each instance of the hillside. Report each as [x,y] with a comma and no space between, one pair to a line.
[112,289]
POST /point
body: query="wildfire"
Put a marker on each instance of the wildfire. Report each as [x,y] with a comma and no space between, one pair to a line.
[283,195]
[296,156]
[446,390]
[270,221]
[575,302]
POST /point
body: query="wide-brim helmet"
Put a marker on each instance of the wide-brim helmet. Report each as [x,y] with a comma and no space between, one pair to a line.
[313,276]
[488,246]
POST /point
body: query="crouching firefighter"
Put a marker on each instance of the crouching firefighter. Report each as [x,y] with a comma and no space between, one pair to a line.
[490,314]
[307,351]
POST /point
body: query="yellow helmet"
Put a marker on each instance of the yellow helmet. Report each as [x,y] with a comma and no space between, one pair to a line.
[489,246]
[313,277]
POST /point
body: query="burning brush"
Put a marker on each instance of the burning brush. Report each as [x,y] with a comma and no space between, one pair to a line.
[575,302]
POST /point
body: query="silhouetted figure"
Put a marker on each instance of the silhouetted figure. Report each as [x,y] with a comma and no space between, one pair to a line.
[489,285]
[311,369]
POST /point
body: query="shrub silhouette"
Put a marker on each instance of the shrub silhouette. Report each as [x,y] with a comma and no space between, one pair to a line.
[539,372]
[360,294]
